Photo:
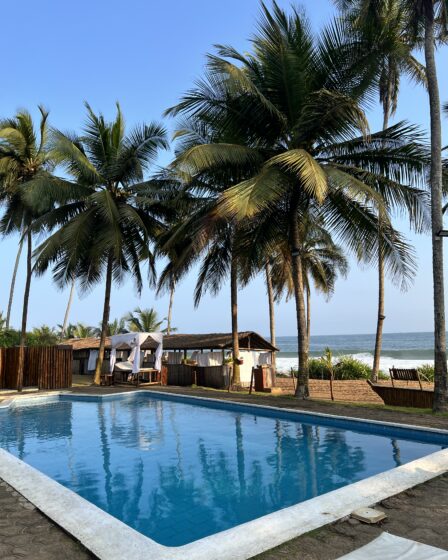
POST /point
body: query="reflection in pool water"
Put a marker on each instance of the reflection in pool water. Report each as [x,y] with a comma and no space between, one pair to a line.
[178,472]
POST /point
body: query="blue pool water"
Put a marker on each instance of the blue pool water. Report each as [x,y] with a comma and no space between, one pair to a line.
[178,472]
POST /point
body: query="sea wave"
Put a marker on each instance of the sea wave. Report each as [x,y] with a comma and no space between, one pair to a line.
[284,363]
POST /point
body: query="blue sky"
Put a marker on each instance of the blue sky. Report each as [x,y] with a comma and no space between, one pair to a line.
[145,54]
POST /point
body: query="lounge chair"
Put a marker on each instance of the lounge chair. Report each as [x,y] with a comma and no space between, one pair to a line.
[391,547]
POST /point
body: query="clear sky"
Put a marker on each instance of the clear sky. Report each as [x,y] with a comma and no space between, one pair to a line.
[145,54]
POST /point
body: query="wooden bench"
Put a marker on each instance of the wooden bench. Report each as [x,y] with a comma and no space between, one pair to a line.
[400,374]
[404,396]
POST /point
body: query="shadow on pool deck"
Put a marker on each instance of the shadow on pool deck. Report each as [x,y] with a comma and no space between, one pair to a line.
[420,514]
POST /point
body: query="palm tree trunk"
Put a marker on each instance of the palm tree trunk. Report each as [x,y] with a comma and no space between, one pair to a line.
[105,321]
[67,311]
[302,389]
[170,307]
[26,295]
[13,283]
[26,298]
[271,309]
[234,306]
[440,366]
[380,316]
[308,316]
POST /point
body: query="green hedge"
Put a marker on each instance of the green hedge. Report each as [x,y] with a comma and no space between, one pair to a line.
[345,368]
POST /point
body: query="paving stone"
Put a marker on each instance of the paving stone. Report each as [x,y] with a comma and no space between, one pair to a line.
[26,533]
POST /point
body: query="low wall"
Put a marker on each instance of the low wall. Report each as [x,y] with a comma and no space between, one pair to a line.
[355,391]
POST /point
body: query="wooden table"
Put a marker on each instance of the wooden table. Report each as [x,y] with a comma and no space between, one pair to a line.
[146,375]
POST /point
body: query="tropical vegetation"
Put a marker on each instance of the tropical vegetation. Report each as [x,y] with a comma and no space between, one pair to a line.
[276,172]
[290,113]
[106,216]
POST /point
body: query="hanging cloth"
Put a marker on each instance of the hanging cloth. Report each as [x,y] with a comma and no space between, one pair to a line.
[134,341]
[93,356]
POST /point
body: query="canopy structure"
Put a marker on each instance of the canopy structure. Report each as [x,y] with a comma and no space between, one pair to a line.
[135,341]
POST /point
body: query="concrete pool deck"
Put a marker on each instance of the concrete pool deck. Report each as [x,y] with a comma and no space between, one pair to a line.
[371,492]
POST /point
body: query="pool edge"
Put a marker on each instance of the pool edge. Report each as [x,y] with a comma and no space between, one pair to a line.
[108,538]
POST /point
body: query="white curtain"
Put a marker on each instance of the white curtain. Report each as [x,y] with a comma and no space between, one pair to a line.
[158,337]
[265,358]
[174,357]
[93,356]
[250,360]
[207,359]
[134,341]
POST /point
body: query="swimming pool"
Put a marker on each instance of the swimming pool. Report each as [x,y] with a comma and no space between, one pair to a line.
[178,470]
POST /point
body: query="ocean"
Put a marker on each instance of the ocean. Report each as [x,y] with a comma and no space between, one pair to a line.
[405,350]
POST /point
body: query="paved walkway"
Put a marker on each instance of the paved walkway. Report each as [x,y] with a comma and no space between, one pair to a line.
[419,514]
[26,533]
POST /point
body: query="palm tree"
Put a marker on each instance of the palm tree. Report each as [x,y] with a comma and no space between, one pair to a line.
[295,103]
[323,261]
[107,216]
[23,157]
[144,320]
[80,331]
[43,336]
[199,237]
[430,19]
[2,322]
[67,309]
[117,326]
[383,26]
[178,199]
[271,304]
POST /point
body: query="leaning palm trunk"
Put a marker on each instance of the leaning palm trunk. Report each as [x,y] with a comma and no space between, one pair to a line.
[234,305]
[26,295]
[13,283]
[381,316]
[302,389]
[170,307]
[26,298]
[67,311]
[271,308]
[105,321]
[440,366]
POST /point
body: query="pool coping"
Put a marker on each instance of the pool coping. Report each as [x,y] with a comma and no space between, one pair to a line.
[108,538]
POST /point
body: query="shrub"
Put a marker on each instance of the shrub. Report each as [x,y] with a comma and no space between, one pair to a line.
[345,368]
[426,371]
[9,337]
[317,369]
[351,368]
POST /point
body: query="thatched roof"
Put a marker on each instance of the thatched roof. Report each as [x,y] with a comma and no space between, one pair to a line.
[207,341]
[247,339]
